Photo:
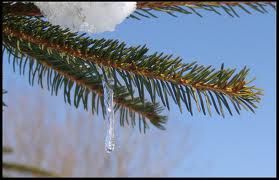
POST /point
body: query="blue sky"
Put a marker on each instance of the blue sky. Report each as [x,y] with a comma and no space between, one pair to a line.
[239,145]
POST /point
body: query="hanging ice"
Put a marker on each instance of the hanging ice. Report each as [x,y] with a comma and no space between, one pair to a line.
[108,99]
[93,17]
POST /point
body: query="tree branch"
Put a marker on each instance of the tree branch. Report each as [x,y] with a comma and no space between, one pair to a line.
[122,98]
[30,9]
[158,74]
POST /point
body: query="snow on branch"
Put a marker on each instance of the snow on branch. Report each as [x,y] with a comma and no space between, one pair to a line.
[92,17]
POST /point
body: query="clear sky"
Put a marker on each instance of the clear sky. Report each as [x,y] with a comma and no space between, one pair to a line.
[239,145]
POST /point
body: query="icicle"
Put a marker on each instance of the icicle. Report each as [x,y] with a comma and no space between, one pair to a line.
[108,99]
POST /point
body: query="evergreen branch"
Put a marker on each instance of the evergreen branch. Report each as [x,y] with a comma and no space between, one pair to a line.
[147,110]
[160,4]
[158,74]
[27,169]
[144,9]
[69,72]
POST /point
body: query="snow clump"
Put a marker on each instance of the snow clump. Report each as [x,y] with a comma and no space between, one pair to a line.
[92,17]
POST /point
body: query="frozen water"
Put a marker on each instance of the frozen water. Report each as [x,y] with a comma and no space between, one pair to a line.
[108,99]
[93,17]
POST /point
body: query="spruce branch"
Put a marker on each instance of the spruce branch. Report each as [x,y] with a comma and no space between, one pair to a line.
[159,4]
[159,74]
[145,9]
[70,71]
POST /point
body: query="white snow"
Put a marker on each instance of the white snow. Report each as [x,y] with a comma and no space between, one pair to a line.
[93,17]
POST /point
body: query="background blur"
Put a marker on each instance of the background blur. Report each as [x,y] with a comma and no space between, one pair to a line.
[46,132]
